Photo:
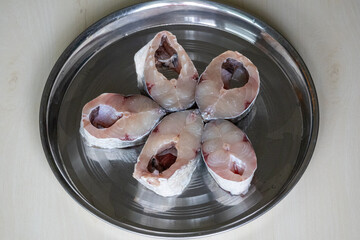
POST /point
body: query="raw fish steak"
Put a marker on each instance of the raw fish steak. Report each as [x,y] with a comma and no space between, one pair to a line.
[115,121]
[163,54]
[229,156]
[171,153]
[228,87]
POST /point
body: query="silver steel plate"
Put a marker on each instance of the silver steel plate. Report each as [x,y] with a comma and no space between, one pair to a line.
[282,125]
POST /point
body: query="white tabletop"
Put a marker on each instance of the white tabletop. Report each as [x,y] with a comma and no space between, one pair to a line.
[323,205]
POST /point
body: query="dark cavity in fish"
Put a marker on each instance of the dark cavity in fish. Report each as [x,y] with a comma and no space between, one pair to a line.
[233,74]
[166,60]
[237,169]
[163,160]
[103,116]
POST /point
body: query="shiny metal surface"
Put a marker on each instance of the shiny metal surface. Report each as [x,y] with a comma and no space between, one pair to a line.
[282,125]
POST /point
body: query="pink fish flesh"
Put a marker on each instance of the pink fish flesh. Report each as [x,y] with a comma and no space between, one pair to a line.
[115,121]
[164,54]
[171,153]
[229,156]
[228,87]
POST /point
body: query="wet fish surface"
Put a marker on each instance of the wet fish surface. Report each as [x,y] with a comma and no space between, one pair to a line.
[171,153]
[229,156]
[166,73]
[115,121]
[228,87]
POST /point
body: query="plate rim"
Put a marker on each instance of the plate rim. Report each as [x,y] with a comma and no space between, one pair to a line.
[66,183]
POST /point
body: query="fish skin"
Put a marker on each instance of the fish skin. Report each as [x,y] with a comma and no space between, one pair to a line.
[183,131]
[225,146]
[139,115]
[216,102]
[174,94]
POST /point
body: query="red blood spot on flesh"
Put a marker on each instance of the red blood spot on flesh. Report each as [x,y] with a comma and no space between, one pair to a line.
[149,86]
[245,139]
[206,155]
[126,138]
[247,104]
[201,79]
[163,160]
[195,76]
[156,129]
